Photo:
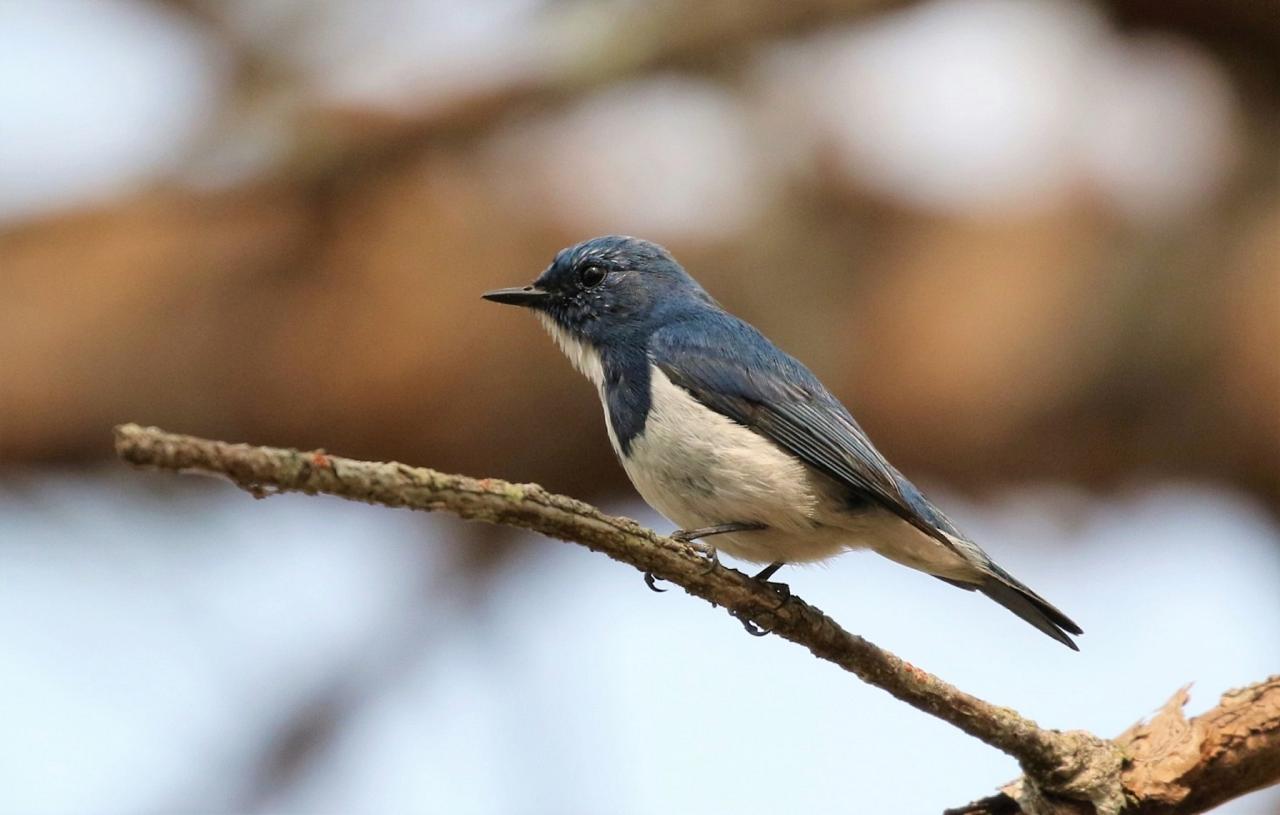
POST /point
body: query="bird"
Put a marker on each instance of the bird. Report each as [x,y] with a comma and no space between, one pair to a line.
[734,440]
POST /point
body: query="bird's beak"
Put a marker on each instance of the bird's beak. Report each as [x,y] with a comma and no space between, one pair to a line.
[527,296]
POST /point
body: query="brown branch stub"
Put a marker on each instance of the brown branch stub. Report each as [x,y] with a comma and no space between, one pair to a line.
[1066,771]
[1185,766]
[1176,766]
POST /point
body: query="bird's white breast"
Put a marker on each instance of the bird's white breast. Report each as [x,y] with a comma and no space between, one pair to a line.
[700,468]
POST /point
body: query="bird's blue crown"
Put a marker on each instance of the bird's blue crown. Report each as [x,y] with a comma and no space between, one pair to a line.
[615,288]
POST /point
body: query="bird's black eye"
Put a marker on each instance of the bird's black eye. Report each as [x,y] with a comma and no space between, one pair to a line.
[591,276]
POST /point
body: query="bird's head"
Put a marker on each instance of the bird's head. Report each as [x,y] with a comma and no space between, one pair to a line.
[614,287]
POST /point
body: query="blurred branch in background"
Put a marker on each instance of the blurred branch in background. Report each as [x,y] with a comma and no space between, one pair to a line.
[1166,766]
[1060,342]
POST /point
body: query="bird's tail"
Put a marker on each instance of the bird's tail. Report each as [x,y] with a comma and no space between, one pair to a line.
[1009,592]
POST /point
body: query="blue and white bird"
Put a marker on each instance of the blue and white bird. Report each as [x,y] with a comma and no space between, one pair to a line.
[735,441]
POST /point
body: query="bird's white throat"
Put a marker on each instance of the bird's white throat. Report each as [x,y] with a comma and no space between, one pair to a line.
[585,358]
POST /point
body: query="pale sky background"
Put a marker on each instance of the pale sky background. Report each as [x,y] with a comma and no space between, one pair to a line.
[151,641]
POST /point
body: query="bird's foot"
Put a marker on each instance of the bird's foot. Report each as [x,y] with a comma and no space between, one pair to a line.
[691,537]
[781,589]
[706,550]
[751,627]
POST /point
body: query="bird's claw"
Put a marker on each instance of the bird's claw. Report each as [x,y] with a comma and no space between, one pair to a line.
[703,550]
[708,552]
[751,627]
[690,538]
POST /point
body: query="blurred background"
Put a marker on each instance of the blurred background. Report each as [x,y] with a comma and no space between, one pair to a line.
[1034,246]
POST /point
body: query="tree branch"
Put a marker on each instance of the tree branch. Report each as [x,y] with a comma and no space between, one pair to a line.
[1074,765]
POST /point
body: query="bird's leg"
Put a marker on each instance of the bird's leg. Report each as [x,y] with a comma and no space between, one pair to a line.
[707,550]
[781,589]
[769,571]
[691,536]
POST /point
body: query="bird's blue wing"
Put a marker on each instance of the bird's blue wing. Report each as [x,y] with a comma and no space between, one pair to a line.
[731,368]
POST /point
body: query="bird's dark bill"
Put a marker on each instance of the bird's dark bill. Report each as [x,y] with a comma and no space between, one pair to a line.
[523,296]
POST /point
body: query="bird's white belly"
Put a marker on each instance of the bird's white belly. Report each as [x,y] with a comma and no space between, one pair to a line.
[700,468]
